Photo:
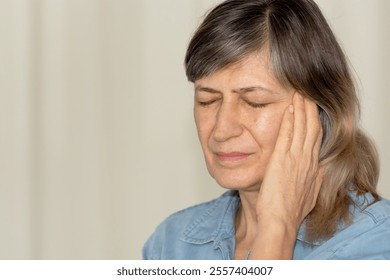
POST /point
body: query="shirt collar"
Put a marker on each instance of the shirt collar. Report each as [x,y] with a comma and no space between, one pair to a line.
[216,222]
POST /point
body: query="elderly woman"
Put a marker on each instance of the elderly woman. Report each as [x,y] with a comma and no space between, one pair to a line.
[276,113]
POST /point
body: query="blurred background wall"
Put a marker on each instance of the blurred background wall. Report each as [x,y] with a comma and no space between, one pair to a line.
[97,141]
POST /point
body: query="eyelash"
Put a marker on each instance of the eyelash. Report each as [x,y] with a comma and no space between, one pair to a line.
[252,104]
[206,103]
[256,105]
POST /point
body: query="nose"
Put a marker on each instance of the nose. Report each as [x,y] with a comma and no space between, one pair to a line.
[228,124]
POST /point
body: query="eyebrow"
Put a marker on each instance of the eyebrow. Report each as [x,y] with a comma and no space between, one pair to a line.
[251,89]
[239,90]
[207,89]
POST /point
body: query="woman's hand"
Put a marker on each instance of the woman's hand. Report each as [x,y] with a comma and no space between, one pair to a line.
[291,183]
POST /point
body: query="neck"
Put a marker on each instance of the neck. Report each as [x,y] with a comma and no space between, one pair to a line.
[246,221]
[248,200]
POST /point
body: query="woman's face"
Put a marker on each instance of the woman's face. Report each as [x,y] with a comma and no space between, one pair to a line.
[238,111]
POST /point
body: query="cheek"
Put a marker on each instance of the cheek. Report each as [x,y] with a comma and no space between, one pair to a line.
[204,127]
[267,128]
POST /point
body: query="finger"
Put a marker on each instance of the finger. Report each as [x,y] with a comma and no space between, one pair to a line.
[299,132]
[318,182]
[313,127]
[317,146]
[284,139]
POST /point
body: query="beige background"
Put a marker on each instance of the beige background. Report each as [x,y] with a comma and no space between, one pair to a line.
[97,141]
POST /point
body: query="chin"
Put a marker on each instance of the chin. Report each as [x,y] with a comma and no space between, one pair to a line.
[238,183]
[239,178]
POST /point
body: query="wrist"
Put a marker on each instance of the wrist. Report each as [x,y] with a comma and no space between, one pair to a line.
[285,225]
[274,240]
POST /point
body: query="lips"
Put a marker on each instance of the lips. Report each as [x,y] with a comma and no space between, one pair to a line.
[233,156]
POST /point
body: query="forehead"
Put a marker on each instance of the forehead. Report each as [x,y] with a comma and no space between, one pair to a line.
[253,70]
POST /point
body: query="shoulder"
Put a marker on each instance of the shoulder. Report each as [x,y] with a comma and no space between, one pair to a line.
[182,225]
[369,234]
[367,237]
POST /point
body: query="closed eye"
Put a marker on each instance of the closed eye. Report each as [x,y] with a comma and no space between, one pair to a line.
[256,105]
[206,103]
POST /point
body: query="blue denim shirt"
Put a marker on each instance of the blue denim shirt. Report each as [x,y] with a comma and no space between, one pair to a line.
[206,231]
